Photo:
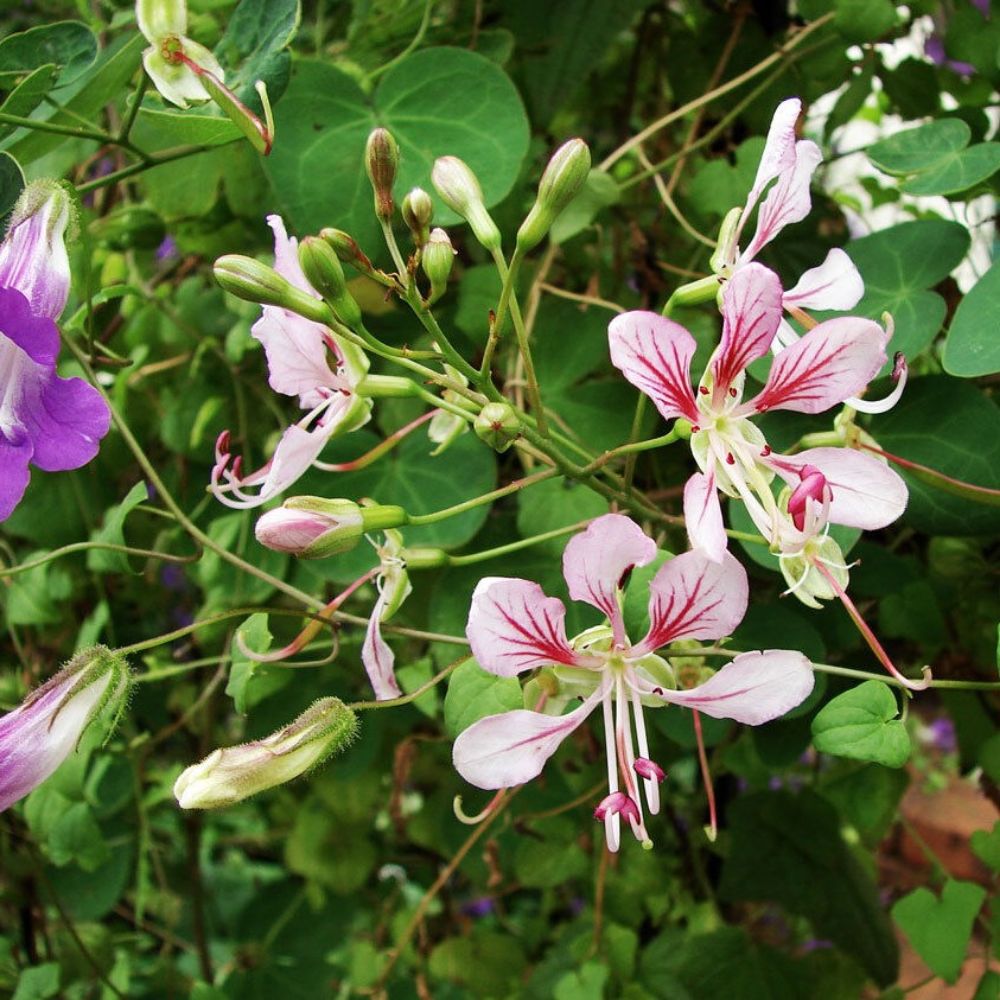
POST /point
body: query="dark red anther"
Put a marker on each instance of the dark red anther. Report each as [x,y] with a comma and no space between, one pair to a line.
[765,451]
[703,389]
[729,459]
[647,768]
[732,392]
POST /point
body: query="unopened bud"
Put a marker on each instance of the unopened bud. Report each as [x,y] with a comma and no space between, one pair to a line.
[436,259]
[253,281]
[497,425]
[424,558]
[38,735]
[724,254]
[460,191]
[418,210]
[347,250]
[564,176]
[232,774]
[323,270]
[381,161]
[317,527]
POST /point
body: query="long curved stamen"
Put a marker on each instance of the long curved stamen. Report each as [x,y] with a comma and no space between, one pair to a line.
[712,830]
[763,520]
[651,785]
[869,636]
[612,822]
[626,760]
[899,376]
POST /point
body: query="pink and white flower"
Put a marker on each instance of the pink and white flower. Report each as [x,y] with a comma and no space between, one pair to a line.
[785,172]
[307,360]
[831,363]
[513,627]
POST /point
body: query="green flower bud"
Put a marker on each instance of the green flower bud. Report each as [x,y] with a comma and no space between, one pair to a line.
[497,425]
[436,259]
[232,774]
[253,281]
[381,161]
[424,558]
[311,527]
[460,191]
[418,210]
[323,270]
[347,250]
[725,249]
[564,176]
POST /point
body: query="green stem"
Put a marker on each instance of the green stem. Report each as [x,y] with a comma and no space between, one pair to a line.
[523,543]
[829,668]
[66,550]
[431,325]
[40,125]
[414,42]
[503,491]
[133,111]
[147,163]
[405,699]
[627,449]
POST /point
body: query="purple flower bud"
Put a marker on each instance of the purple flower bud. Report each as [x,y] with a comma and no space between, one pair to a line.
[38,735]
[646,768]
[617,802]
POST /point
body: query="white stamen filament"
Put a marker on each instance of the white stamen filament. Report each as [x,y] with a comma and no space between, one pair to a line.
[651,785]
[612,821]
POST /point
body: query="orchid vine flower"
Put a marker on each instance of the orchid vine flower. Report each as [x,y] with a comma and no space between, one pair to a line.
[832,362]
[38,735]
[53,423]
[393,585]
[785,172]
[513,627]
[307,360]
[163,23]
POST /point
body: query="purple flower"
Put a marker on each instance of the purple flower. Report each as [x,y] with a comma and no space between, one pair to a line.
[51,422]
[45,728]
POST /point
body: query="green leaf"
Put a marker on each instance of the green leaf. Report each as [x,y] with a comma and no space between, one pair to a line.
[112,533]
[550,857]
[859,724]
[250,681]
[940,929]
[203,126]
[38,982]
[958,172]
[488,963]
[989,986]
[986,846]
[920,148]
[104,82]
[864,20]
[787,848]
[585,983]
[598,193]
[473,694]
[951,427]
[11,183]
[973,347]
[37,596]
[898,265]
[27,95]
[67,44]
[435,102]
[255,47]
[553,504]
[867,796]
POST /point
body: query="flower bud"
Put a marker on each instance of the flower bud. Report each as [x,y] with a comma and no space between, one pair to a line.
[347,250]
[497,425]
[460,191]
[323,270]
[725,251]
[436,259]
[315,527]
[33,256]
[418,210]
[38,735]
[424,557]
[232,774]
[253,281]
[564,176]
[381,161]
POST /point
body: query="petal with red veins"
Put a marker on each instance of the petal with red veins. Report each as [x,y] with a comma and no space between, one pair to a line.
[865,492]
[703,515]
[505,750]
[831,362]
[788,201]
[596,560]
[694,597]
[835,284]
[755,688]
[751,312]
[654,353]
[513,626]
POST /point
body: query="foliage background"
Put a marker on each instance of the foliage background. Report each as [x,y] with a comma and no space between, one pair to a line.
[359,877]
